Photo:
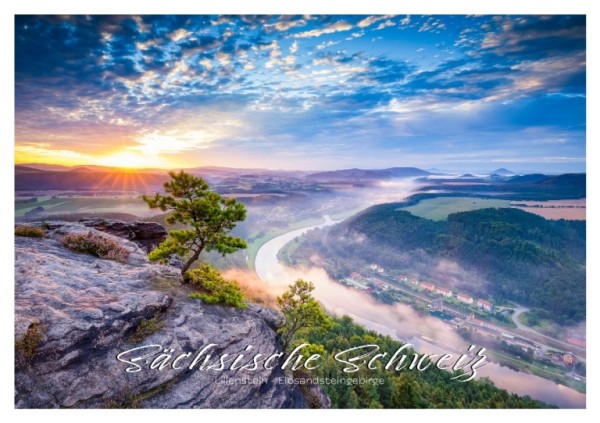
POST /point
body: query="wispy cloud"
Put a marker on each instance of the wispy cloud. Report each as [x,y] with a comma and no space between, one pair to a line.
[339,26]
[370,20]
[289,22]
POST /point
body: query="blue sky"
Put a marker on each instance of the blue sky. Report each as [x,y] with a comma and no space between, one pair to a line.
[466,93]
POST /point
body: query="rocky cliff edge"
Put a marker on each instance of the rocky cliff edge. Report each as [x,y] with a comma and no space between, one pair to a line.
[88,310]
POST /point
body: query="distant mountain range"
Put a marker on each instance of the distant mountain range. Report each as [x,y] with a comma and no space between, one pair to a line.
[503,171]
[520,187]
[61,168]
[39,177]
[528,179]
[28,178]
[201,170]
[367,174]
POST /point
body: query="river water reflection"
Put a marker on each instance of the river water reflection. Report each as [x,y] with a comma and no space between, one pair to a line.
[402,323]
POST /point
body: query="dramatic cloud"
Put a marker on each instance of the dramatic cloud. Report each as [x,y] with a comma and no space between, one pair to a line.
[303,91]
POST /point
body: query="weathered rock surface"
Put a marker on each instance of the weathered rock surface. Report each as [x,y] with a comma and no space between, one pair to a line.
[145,234]
[90,307]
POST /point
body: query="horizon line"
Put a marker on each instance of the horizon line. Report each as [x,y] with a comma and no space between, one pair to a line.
[434,170]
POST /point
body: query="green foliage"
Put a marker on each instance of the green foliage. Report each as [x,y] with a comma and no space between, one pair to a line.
[302,312]
[406,393]
[207,217]
[172,245]
[310,349]
[353,401]
[580,368]
[375,404]
[535,317]
[214,288]
[433,388]
[145,329]
[30,231]
[524,257]
[96,245]
[26,346]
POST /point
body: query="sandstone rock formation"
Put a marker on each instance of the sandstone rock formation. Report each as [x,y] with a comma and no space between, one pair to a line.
[89,308]
[145,234]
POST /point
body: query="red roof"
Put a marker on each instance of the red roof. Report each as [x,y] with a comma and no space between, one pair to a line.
[577,341]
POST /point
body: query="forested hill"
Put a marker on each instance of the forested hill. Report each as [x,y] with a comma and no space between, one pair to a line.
[524,257]
[524,187]
[433,388]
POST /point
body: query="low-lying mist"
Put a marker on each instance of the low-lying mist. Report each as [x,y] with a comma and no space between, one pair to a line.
[399,321]
[389,191]
[352,251]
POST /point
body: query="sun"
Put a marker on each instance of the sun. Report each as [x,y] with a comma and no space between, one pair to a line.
[129,160]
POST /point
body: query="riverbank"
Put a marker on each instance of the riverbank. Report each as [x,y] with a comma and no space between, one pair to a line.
[258,242]
[400,322]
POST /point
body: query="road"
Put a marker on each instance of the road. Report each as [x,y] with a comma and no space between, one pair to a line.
[544,341]
[515,317]
[578,351]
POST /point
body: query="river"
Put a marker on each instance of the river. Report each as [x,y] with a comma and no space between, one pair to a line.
[401,322]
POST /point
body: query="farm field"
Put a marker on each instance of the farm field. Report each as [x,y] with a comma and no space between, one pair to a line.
[555,209]
[65,205]
[439,208]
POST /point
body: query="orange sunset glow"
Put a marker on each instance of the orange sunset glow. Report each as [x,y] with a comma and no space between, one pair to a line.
[120,159]
[301,94]
[131,160]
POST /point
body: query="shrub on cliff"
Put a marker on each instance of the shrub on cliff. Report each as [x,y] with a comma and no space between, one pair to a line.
[214,289]
[145,329]
[302,312]
[96,245]
[26,346]
[30,231]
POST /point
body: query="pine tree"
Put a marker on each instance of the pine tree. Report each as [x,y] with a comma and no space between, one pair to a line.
[207,217]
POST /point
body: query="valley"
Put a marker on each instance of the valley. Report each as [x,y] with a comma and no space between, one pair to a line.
[391,252]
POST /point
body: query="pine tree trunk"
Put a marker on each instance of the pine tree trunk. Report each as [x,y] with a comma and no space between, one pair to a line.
[189,263]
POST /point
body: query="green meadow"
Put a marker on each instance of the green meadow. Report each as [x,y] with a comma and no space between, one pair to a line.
[440,207]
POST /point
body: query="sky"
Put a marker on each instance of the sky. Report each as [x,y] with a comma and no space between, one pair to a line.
[464,93]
